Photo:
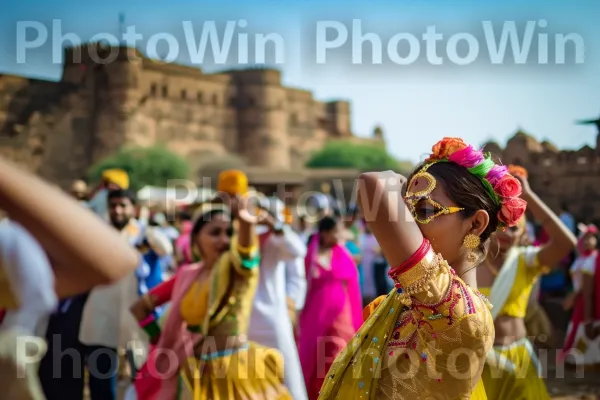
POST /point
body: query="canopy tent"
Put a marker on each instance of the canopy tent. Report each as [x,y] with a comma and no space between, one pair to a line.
[180,196]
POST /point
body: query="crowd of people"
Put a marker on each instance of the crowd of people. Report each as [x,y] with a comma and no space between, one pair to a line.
[429,292]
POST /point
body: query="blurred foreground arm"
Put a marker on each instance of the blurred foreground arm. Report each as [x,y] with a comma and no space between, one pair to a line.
[83,249]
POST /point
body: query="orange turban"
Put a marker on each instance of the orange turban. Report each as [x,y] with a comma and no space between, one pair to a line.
[117,176]
[233,182]
[517,170]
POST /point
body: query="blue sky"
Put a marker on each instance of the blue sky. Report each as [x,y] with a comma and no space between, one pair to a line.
[416,104]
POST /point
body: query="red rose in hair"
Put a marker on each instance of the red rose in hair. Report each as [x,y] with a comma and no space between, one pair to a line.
[508,186]
[512,210]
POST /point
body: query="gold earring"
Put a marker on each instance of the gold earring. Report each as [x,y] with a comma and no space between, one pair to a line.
[471,242]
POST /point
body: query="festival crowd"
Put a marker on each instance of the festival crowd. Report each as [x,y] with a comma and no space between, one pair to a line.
[431,291]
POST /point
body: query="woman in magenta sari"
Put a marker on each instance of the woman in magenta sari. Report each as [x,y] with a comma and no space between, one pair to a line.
[333,310]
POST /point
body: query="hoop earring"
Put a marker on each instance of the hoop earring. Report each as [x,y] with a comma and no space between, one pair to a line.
[471,242]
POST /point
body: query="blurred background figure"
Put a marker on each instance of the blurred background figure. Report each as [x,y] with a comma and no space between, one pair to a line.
[183,245]
[281,292]
[304,229]
[112,179]
[164,226]
[333,310]
[584,327]
[79,191]
[374,267]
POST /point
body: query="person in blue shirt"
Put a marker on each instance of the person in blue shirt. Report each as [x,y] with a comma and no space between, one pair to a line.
[157,250]
[355,251]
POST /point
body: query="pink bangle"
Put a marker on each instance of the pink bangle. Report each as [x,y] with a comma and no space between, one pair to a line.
[146,321]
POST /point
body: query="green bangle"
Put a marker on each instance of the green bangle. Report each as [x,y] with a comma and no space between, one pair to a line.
[250,263]
[152,329]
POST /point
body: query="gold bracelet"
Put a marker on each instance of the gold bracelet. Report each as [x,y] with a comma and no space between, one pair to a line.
[418,278]
[247,250]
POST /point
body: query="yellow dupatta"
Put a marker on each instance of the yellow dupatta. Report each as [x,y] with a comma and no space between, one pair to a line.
[407,353]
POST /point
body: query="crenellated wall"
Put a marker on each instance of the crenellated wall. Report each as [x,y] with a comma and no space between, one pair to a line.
[571,177]
[110,97]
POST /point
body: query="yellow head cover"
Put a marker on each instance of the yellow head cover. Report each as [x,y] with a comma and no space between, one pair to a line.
[233,182]
[116,176]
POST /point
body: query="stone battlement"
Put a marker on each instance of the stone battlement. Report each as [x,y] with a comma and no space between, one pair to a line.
[111,97]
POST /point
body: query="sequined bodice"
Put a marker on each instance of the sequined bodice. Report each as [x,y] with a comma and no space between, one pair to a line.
[433,347]
[234,308]
[428,339]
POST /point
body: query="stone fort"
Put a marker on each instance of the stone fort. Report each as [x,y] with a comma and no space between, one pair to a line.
[59,129]
[558,176]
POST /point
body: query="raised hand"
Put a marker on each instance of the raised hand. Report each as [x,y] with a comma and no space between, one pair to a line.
[248,209]
[524,185]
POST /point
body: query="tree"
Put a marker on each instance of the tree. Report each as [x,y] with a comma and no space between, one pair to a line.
[363,157]
[153,166]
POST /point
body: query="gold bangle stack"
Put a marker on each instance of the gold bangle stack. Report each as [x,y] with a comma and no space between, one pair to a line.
[247,250]
[418,278]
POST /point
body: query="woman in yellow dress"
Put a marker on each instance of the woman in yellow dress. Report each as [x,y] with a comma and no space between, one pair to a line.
[429,337]
[511,270]
[204,336]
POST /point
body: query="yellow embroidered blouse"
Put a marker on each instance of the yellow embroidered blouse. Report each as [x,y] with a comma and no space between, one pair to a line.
[221,305]
[435,348]
[528,271]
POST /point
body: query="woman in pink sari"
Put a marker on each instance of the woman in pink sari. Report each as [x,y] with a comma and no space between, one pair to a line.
[333,310]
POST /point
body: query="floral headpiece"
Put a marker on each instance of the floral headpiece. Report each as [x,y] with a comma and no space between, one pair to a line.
[503,188]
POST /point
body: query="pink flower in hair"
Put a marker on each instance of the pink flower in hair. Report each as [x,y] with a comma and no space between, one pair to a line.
[496,173]
[512,210]
[468,157]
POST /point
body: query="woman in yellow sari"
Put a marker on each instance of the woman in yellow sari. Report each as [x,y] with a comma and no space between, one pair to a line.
[204,335]
[511,270]
[428,338]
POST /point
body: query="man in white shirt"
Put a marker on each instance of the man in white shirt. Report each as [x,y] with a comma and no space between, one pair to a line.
[281,277]
[106,323]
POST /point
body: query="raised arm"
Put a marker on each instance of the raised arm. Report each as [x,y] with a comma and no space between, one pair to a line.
[246,242]
[386,214]
[84,250]
[561,242]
